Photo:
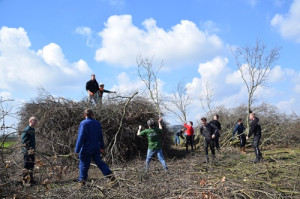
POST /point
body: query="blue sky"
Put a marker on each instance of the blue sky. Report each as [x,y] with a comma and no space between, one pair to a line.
[57,44]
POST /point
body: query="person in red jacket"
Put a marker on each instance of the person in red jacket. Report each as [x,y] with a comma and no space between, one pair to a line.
[189,135]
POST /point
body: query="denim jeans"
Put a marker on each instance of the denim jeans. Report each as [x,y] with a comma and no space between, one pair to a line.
[160,157]
[177,140]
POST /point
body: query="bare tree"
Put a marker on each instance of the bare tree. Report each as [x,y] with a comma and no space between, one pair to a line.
[206,98]
[181,100]
[148,74]
[255,64]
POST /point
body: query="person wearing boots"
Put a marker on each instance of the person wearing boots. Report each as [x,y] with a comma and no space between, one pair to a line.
[239,128]
[255,129]
[209,132]
[189,135]
[216,122]
[90,145]
[28,148]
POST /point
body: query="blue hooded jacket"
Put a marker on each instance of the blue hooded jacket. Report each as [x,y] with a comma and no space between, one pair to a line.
[90,138]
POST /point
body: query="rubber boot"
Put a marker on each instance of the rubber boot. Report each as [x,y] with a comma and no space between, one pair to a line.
[25,176]
[31,181]
[257,154]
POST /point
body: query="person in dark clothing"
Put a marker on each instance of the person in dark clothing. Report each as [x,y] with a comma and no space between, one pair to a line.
[216,122]
[239,128]
[189,135]
[92,88]
[178,134]
[102,90]
[255,129]
[209,132]
[28,148]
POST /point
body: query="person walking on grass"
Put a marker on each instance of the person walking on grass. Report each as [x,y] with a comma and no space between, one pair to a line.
[28,148]
[90,145]
[153,135]
[189,135]
[216,122]
[255,129]
[209,132]
[239,128]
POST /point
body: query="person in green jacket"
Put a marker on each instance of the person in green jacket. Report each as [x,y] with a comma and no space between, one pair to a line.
[153,135]
[28,148]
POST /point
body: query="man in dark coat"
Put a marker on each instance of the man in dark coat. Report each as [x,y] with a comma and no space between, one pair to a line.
[28,148]
[209,132]
[216,122]
[92,88]
[255,129]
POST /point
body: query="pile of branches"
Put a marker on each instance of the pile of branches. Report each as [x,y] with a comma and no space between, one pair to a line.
[120,117]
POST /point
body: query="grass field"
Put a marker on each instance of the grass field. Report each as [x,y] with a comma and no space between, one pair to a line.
[8,144]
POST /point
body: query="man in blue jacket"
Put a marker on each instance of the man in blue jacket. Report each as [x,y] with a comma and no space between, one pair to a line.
[239,128]
[89,146]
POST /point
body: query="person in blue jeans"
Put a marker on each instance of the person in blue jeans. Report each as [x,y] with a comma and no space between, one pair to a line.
[178,134]
[153,135]
[89,145]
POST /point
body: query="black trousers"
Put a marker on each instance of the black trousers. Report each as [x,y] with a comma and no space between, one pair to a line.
[242,138]
[255,144]
[189,140]
[29,161]
[211,144]
[217,141]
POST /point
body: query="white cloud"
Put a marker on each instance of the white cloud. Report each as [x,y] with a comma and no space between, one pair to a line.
[213,74]
[5,95]
[276,74]
[184,43]
[23,70]
[288,24]
[125,84]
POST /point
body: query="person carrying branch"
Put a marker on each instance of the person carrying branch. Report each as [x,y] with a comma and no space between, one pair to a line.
[216,122]
[239,128]
[153,135]
[90,145]
[189,135]
[92,87]
[28,148]
[255,129]
[178,134]
[102,90]
[209,132]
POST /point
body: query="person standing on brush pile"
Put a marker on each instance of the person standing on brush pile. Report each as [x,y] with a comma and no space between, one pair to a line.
[102,90]
[189,135]
[28,148]
[209,132]
[92,88]
[216,122]
[178,134]
[89,145]
[153,135]
[255,129]
[239,128]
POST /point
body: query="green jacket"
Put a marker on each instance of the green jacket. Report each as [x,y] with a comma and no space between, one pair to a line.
[28,138]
